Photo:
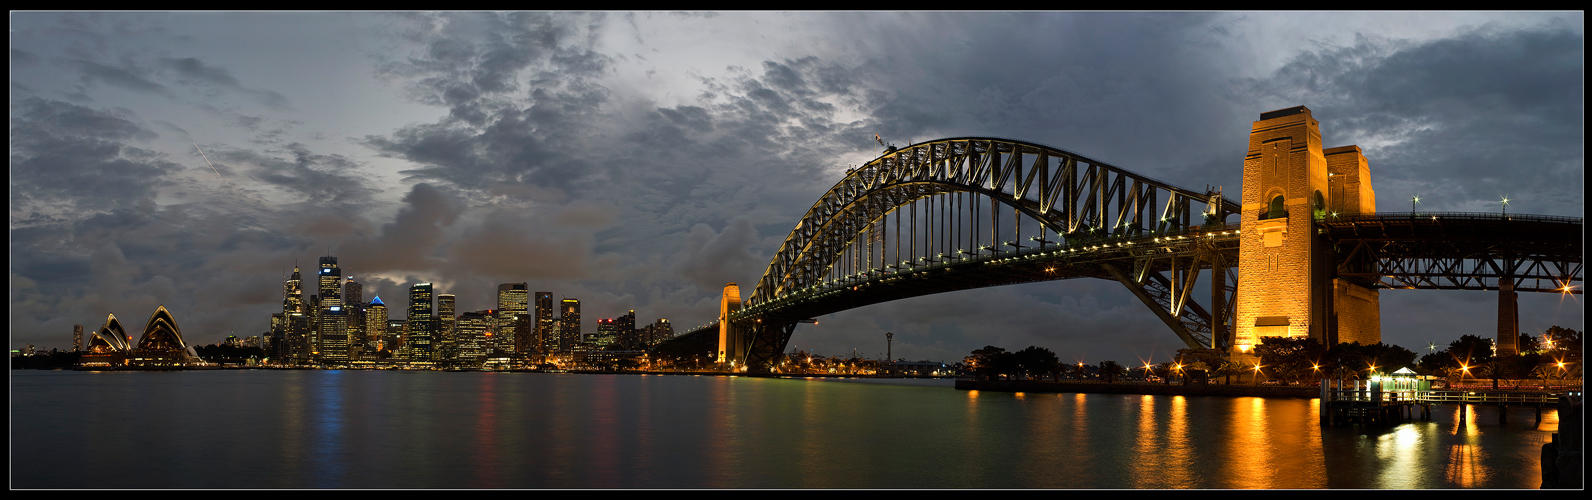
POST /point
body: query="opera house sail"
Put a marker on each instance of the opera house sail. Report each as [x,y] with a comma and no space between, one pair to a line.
[160,347]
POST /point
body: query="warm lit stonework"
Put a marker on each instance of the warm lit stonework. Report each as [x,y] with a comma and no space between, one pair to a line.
[1286,286]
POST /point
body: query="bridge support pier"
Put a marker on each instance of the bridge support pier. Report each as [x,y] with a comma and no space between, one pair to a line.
[1508,316]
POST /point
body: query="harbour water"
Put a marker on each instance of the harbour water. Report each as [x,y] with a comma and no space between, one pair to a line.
[369,429]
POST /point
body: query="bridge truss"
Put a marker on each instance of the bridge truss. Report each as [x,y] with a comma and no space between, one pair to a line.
[1459,251]
[975,212]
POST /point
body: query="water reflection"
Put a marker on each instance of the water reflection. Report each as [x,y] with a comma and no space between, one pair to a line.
[356,429]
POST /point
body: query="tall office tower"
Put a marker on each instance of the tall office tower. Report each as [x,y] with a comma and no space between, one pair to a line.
[331,283]
[568,325]
[334,335]
[513,299]
[376,319]
[545,342]
[625,331]
[293,295]
[421,324]
[446,317]
[397,334]
[353,292]
[524,337]
[471,335]
[607,333]
[661,331]
[77,338]
[354,306]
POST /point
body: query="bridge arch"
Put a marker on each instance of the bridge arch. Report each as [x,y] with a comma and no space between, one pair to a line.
[934,194]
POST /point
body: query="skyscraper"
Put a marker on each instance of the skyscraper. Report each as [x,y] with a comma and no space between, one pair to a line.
[353,292]
[77,337]
[421,324]
[376,319]
[513,299]
[569,325]
[544,323]
[446,317]
[331,289]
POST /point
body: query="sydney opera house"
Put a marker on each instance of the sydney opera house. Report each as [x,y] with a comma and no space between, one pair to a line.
[160,347]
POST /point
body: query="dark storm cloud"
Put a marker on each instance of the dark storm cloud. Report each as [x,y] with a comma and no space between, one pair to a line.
[22,58]
[1461,120]
[191,70]
[476,65]
[412,241]
[323,180]
[712,259]
[126,78]
[63,152]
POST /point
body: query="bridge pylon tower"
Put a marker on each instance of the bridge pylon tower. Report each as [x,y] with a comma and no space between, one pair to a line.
[1288,286]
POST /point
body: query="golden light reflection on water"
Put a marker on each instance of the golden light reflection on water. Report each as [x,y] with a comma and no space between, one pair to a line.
[1163,447]
[1466,467]
[1247,451]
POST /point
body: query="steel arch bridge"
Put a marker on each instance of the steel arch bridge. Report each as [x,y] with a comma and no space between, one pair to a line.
[964,213]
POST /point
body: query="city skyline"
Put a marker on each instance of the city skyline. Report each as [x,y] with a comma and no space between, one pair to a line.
[640,161]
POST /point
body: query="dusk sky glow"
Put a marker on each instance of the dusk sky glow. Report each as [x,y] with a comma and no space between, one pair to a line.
[642,160]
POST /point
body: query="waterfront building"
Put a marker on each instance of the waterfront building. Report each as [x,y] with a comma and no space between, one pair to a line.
[376,320]
[108,346]
[625,333]
[421,324]
[161,344]
[77,337]
[659,332]
[524,335]
[447,338]
[545,341]
[397,334]
[512,299]
[569,324]
[607,333]
[334,336]
[471,336]
[331,278]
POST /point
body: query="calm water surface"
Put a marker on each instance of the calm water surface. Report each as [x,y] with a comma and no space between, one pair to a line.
[362,429]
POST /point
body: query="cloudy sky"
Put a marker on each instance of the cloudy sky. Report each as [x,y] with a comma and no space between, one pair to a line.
[642,160]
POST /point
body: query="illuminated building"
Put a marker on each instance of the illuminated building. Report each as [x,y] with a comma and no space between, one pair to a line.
[161,345]
[1287,289]
[108,346]
[512,300]
[545,341]
[524,333]
[420,324]
[77,337]
[376,320]
[625,333]
[607,333]
[658,332]
[331,279]
[568,325]
[447,337]
[471,335]
[334,335]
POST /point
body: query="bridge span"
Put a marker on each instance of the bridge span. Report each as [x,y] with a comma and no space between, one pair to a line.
[966,213]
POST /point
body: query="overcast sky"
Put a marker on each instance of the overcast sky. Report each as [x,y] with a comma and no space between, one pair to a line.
[642,160]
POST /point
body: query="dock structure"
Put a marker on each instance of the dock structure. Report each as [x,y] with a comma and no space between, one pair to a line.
[1385,401]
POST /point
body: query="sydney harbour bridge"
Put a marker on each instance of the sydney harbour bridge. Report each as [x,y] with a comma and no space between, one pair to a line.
[963,213]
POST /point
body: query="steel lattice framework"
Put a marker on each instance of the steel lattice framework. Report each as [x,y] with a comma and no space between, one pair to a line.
[928,218]
[928,201]
[1459,251]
